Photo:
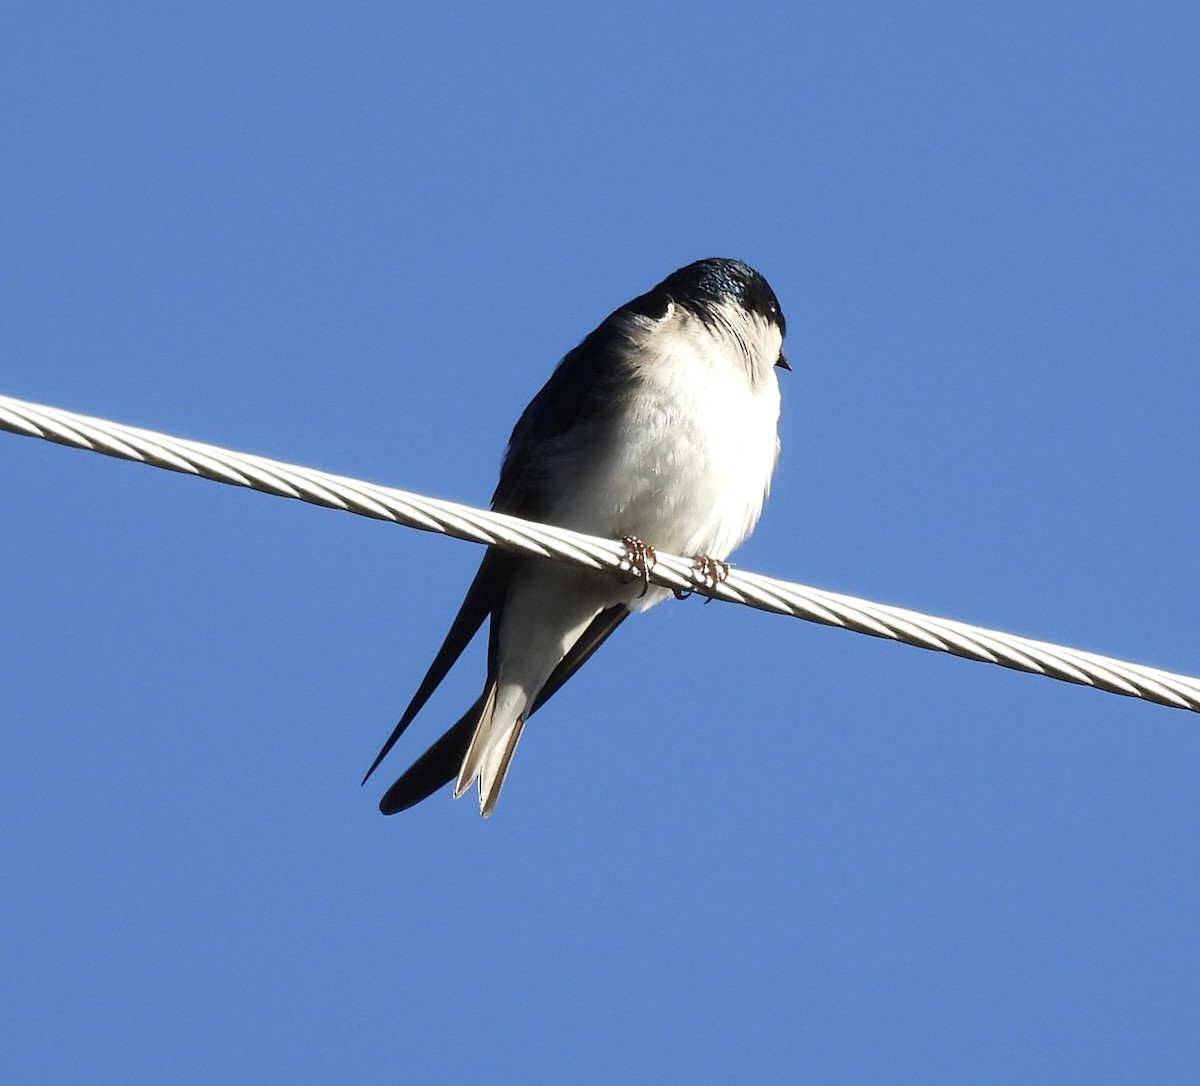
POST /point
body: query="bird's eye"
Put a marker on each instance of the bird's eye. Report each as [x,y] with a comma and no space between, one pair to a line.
[656,305]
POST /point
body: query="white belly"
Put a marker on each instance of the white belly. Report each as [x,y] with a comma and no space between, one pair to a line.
[692,458]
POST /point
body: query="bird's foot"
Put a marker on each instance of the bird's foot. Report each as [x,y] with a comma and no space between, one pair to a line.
[640,558]
[707,572]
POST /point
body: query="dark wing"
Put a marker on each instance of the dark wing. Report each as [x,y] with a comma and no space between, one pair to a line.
[484,596]
[438,766]
[583,391]
[589,641]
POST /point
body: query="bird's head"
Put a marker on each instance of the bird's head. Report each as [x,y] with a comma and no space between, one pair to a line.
[722,290]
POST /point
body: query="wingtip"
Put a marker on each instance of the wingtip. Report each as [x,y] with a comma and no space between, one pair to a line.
[385,750]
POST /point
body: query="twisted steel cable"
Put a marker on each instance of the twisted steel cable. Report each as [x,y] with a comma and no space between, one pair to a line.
[671,571]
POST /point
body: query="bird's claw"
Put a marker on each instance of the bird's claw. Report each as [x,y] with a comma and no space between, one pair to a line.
[707,572]
[640,557]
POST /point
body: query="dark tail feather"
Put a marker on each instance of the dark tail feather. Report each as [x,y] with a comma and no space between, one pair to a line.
[437,767]
[440,764]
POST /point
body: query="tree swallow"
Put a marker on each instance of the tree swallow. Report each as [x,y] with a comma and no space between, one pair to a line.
[660,429]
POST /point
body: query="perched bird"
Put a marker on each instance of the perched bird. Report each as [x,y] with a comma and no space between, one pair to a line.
[660,429]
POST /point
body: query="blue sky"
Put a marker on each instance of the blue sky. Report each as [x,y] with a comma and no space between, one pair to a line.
[735,847]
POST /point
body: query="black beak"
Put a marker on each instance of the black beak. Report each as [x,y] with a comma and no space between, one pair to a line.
[782,363]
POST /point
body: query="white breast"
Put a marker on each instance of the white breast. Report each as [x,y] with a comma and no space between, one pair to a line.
[691,461]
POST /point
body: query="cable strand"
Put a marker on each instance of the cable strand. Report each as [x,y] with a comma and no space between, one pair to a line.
[671,571]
